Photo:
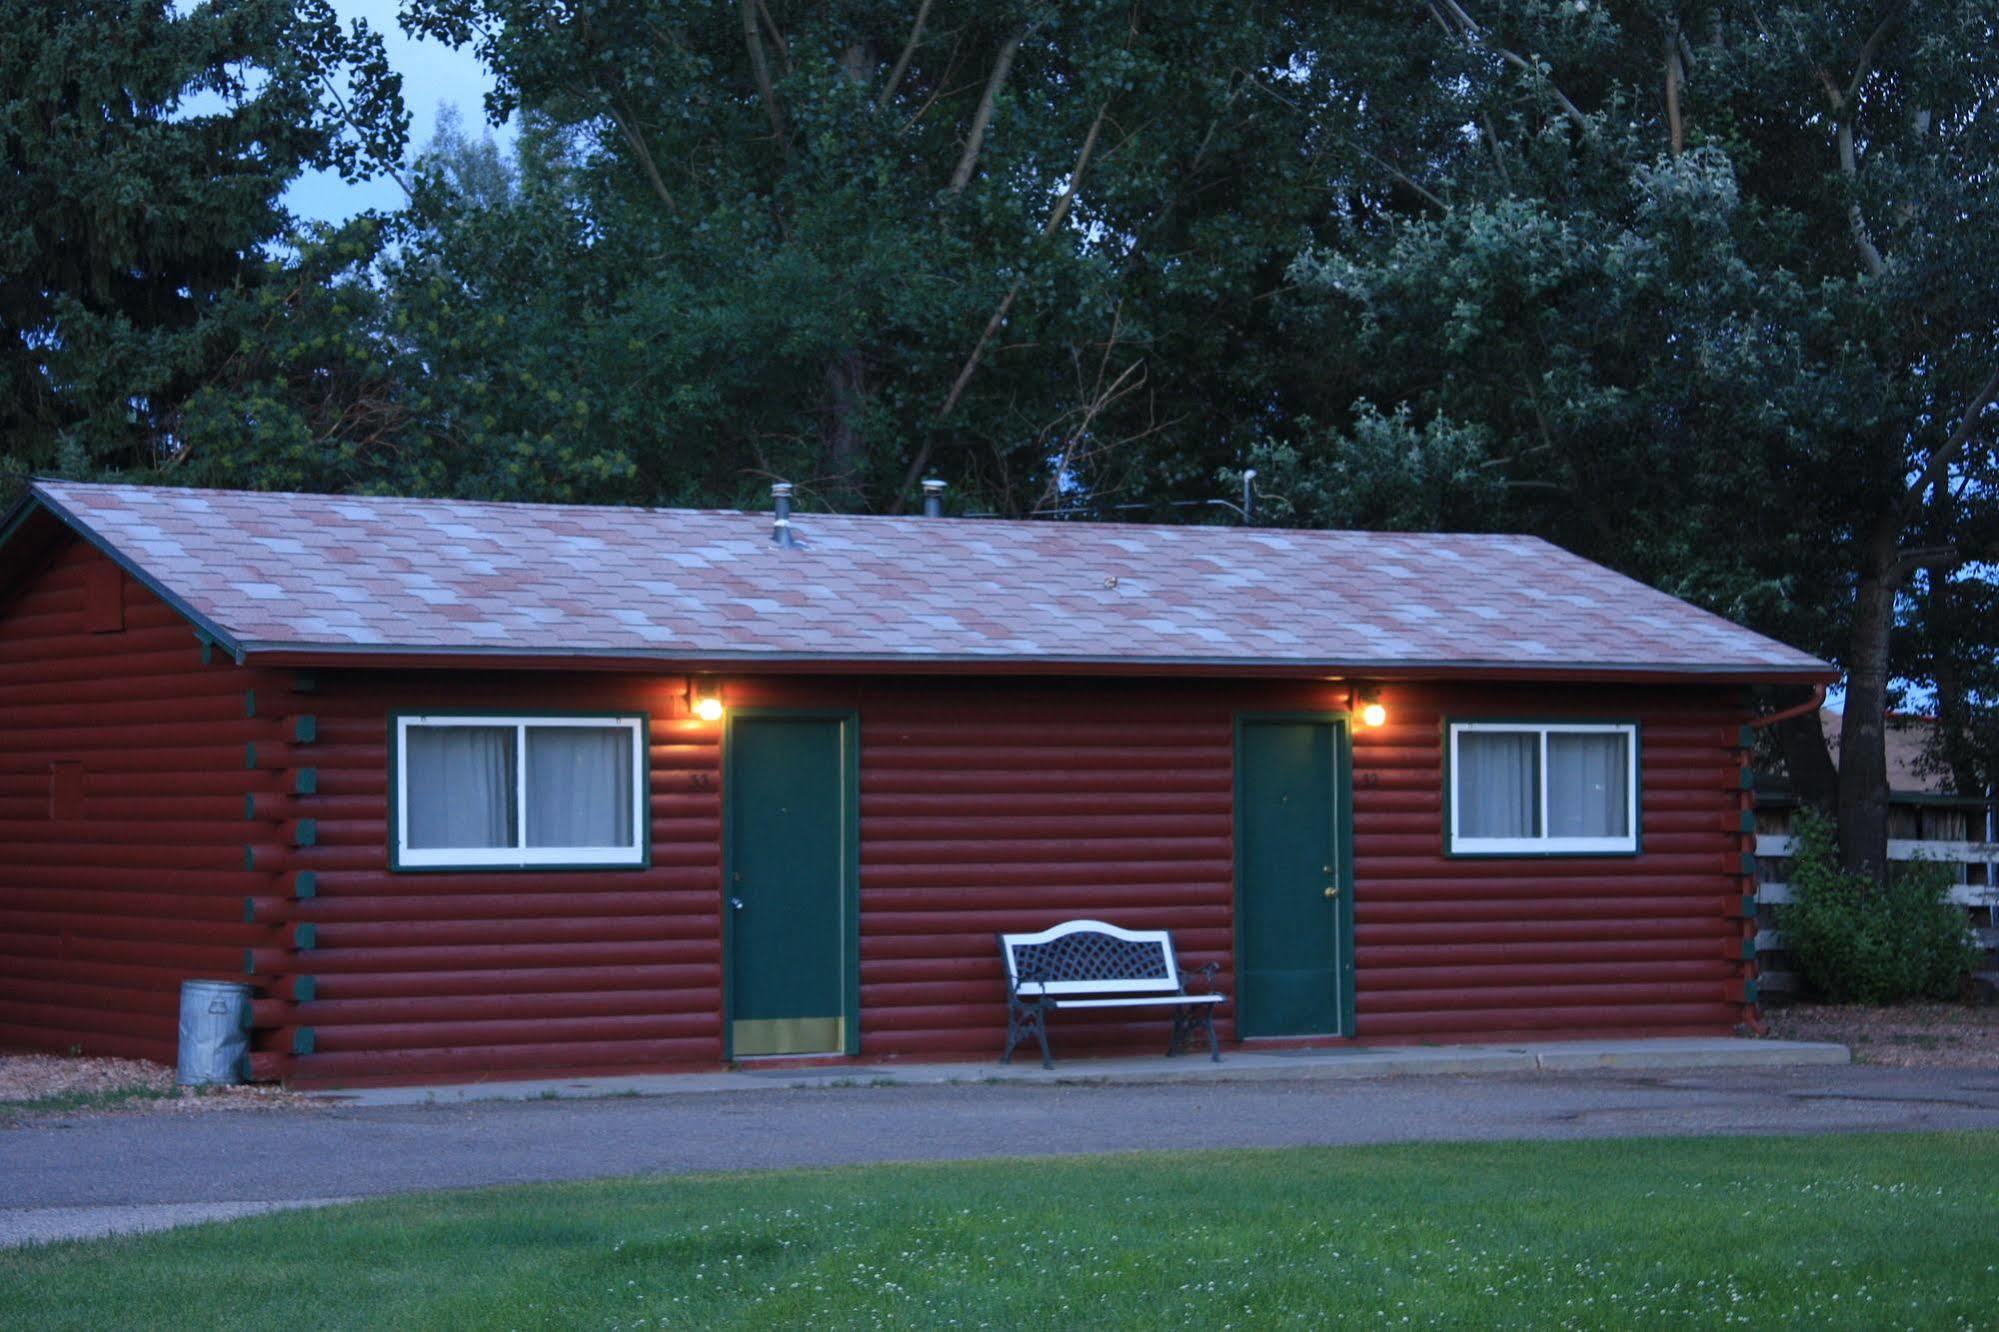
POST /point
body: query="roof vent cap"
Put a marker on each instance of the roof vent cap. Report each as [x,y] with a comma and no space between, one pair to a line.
[933,498]
[780,531]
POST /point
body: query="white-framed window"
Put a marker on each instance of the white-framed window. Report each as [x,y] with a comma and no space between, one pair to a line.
[1543,788]
[510,792]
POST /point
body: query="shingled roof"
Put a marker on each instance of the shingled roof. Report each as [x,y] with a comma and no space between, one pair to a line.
[332,576]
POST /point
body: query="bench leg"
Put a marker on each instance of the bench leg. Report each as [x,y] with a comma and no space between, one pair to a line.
[1186,1019]
[1020,1020]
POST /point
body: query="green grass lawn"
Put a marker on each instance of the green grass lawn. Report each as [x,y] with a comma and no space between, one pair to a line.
[1852,1231]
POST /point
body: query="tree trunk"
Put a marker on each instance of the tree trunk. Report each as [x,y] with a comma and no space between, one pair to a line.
[1813,777]
[1955,750]
[1863,740]
[1952,746]
[841,434]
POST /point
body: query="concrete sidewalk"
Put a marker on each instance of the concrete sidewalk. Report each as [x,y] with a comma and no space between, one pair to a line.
[1236,1066]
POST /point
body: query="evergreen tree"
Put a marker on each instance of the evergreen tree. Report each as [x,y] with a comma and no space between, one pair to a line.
[147,151]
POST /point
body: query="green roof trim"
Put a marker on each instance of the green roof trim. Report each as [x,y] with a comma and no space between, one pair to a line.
[38,499]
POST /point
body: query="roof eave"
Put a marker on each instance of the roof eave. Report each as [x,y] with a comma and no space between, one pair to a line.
[408,656]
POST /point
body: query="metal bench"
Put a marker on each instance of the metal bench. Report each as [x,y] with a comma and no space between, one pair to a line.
[1088,964]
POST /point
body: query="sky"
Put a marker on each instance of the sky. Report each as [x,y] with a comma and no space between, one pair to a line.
[434,75]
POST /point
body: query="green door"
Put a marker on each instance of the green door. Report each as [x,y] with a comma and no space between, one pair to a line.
[789,790]
[1294,899]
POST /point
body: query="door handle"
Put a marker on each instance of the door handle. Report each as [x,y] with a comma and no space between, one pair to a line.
[735,904]
[1332,890]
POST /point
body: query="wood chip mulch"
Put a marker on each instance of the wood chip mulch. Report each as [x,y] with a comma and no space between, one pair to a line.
[1900,1036]
[30,1078]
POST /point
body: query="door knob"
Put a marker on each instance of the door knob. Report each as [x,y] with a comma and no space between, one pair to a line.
[1332,890]
[735,904]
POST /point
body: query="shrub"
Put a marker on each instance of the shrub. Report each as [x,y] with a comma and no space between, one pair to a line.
[1858,942]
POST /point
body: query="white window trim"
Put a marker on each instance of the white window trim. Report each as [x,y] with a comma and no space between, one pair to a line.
[521,855]
[1545,845]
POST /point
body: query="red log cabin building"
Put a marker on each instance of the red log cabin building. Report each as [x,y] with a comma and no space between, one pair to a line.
[471,790]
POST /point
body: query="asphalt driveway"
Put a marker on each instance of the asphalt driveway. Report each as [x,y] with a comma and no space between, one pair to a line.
[91,1175]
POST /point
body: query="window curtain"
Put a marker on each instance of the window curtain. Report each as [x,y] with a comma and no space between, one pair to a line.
[460,786]
[1947,825]
[1588,785]
[1939,825]
[579,786]
[1497,784]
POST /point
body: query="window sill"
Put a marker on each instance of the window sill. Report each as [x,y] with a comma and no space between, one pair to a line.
[571,860]
[1542,849]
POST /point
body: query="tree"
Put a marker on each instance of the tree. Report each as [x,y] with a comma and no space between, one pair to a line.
[147,150]
[1034,247]
[1699,269]
[1690,286]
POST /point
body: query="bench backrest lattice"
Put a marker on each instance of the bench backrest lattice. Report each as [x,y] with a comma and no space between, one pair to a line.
[1090,957]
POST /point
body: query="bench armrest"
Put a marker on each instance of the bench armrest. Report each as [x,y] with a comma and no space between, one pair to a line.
[1030,977]
[1204,974]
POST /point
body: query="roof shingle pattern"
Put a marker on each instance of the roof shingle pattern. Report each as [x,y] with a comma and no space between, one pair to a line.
[296,572]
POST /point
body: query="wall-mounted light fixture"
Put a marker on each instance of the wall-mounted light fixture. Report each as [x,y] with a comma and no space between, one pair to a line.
[1372,713]
[704,700]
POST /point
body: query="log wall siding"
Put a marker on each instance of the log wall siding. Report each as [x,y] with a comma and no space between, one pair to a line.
[991,806]
[1480,948]
[123,817]
[449,973]
[1011,807]
[985,806]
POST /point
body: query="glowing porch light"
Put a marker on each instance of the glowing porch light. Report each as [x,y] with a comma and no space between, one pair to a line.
[704,700]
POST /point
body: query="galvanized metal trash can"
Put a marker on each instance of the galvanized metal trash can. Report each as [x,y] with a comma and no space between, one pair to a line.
[214,1032]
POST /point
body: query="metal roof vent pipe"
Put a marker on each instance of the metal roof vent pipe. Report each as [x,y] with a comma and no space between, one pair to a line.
[780,531]
[933,498]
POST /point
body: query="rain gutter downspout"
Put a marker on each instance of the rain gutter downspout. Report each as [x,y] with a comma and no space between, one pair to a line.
[1812,704]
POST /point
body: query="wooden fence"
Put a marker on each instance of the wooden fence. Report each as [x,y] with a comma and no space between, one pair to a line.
[1978,895]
